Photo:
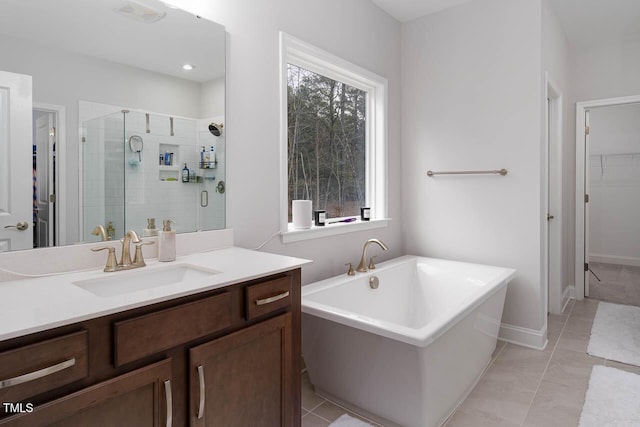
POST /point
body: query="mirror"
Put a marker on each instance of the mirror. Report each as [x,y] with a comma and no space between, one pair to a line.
[122,94]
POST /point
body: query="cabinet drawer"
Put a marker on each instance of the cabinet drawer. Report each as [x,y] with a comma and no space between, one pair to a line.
[267,297]
[33,369]
[143,397]
[152,333]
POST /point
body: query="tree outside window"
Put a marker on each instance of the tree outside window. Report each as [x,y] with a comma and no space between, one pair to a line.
[326,141]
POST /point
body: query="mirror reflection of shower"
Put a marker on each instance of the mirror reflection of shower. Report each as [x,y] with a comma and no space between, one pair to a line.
[136,144]
[138,165]
[215,129]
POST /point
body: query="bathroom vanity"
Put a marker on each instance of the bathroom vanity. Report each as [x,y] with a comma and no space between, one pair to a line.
[220,349]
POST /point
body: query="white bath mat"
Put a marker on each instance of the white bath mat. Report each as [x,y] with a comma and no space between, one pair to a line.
[348,421]
[615,334]
[612,399]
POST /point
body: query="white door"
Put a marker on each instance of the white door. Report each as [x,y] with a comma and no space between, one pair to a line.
[587,170]
[16,189]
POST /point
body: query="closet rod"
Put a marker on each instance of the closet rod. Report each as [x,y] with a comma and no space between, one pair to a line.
[502,172]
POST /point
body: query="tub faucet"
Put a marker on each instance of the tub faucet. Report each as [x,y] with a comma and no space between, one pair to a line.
[362,267]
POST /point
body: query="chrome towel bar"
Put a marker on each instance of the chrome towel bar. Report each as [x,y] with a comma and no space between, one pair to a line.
[501,172]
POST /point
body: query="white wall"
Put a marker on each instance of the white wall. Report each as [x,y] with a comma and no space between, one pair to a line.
[605,71]
[212,98]
[355,30]
[555,53]
[614,203]
[471,90]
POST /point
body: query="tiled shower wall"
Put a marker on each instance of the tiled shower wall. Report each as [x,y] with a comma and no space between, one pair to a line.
[114,174]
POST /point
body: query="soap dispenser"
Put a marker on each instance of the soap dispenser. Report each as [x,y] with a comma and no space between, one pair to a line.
[167,242]
[151,229]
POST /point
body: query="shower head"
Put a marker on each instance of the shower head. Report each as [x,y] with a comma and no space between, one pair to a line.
[215,129]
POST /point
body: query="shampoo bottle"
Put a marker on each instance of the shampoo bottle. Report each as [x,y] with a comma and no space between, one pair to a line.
[212,155]
[167,242]
[185,173]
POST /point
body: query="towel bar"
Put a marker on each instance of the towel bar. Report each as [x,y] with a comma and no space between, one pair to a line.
[501,172]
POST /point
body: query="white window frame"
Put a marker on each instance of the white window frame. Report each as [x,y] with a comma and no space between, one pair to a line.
[296,52]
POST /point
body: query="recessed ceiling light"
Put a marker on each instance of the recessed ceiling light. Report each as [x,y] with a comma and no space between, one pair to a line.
[188,67]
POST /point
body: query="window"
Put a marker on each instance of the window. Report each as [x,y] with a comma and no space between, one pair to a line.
[333,136]
[326,126]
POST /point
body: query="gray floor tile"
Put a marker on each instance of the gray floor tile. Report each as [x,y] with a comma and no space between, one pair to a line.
[556,405]
[312,420]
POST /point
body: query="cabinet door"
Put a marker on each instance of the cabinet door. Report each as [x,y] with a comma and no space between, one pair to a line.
[244,379]
[138,398]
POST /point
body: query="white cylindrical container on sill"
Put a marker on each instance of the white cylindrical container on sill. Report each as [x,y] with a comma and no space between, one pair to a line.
[301,213]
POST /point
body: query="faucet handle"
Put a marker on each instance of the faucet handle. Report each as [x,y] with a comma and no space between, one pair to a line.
[351,271]
[111,264]
[138,258]
[372,265]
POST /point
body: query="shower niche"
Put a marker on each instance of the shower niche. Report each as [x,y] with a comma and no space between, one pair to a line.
[132,163]
[168,162]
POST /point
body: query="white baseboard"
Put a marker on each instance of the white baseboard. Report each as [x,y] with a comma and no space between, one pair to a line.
[536,339]
[612,259]
[568,294]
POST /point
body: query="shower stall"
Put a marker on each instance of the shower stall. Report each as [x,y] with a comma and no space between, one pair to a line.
[133,168]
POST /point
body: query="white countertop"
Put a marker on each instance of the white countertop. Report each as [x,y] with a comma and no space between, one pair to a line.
[36,304]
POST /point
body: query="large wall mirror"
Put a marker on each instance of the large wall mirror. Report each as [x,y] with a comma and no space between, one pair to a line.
[112,114]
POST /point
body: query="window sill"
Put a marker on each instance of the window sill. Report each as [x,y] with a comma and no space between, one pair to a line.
[296,235]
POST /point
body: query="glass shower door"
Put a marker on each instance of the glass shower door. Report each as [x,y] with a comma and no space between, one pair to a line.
[103,176]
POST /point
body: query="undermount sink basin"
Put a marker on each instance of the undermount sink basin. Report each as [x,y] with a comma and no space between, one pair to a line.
[124,282]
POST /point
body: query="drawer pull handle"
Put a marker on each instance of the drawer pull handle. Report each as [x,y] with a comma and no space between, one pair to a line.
[169,399]
[201,384]
[37,374]
[272,299]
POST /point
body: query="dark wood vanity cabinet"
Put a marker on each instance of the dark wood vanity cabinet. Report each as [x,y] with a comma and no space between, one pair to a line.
[226,357]
[252,366]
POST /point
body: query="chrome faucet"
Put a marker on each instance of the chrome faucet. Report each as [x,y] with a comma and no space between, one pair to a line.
[362,267]
[125,262]
[102,232]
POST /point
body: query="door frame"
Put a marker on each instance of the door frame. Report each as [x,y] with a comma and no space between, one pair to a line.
[581,155]
[552,238]
[61,167]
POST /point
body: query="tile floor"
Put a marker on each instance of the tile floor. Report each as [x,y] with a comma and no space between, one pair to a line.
[521,387]
[618,283]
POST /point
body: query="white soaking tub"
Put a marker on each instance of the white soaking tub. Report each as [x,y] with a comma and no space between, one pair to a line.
[408,352]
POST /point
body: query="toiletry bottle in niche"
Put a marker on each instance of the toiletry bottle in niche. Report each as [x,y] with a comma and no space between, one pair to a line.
[206,159]
[151,229]
[212,156]
[167,242]
[202,158]
[185,173]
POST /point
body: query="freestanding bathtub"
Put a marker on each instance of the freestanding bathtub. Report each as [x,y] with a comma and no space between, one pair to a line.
[408,352]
